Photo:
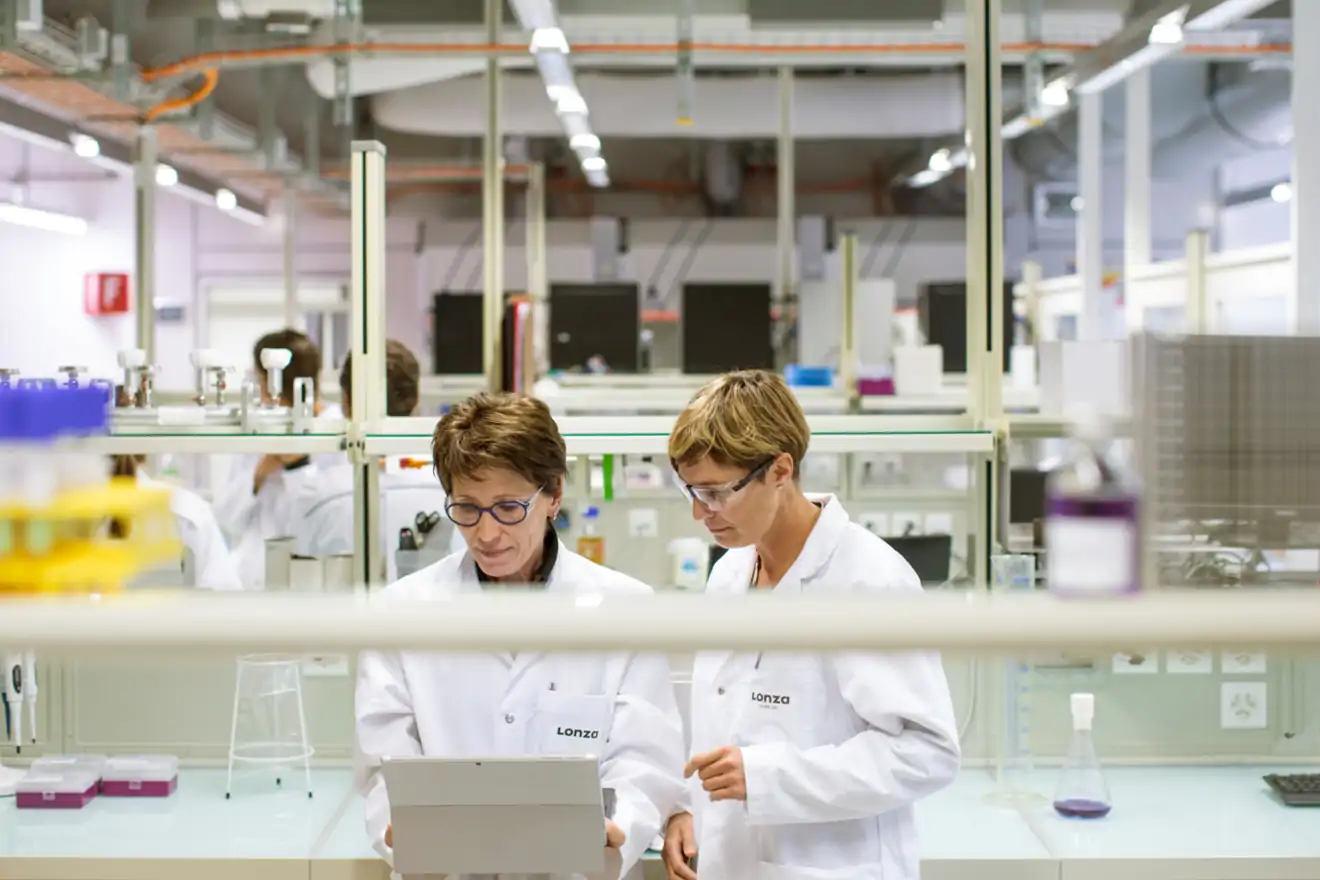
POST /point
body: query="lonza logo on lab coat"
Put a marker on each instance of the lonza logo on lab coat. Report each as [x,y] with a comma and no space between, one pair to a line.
[772,699]
[578,733]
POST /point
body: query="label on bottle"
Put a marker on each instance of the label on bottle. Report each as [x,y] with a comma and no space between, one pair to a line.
[1091,555]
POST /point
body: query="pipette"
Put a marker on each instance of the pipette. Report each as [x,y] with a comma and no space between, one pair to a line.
[29,686]
[14,698]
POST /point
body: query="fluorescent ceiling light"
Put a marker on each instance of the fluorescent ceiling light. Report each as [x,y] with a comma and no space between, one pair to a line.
[1055,94]
[1281,192]
[1075,203]
[940,162]
[166,175]
[925,177]
[84,145]
[568,101]
[549,39]
[51,221]
[225,199]
[1166,33]
[593,163]
[586,141]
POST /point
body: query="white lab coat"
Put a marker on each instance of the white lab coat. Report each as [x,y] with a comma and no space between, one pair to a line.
[508,705]
[250,520]
[836,747]
[213,565]
[322,502]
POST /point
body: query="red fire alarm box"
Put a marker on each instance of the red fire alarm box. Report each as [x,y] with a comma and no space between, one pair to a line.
[105,293]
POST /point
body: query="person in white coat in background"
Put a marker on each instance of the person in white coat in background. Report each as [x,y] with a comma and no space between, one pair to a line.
[212,565]
[321,494]
[502,461]
[802,765]
[252,505]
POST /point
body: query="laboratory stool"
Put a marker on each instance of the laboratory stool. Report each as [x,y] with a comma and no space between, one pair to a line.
[269,727]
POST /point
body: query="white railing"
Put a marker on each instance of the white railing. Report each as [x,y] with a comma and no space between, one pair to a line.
[178,621]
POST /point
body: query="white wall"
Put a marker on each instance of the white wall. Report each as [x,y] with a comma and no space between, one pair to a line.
[909,251]
[1259,222]
[42,288]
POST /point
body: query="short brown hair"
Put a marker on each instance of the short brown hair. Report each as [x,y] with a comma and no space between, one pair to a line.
[306,362]
[740,420]
[403,376]
[507,431]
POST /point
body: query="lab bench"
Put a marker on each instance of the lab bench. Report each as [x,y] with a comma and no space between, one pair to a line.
[1179,823]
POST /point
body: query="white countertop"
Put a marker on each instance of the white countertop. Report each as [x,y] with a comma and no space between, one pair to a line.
[1206,823]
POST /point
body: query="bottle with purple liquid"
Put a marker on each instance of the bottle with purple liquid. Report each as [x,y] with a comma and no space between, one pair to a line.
[1082,792]
[1092,531]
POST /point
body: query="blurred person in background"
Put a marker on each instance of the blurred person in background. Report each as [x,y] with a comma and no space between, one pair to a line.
[321,493]
[212,566]
[253,506]
[502,461]
[802,765]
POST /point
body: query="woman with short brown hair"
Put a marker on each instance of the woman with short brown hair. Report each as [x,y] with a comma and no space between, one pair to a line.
[502,462]
[803,765]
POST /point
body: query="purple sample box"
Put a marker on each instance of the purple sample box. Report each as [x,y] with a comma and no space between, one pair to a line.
[140,776]
[72,789]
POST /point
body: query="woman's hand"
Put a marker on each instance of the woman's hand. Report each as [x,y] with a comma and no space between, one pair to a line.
[680,847]
[614,836]
[721,773]
[389,836]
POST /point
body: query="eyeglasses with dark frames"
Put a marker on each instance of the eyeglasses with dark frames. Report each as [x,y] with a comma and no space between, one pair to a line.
[506,513]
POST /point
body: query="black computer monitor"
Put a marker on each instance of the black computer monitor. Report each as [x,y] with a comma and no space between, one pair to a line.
[726,326]
[929,555]
[1026,495]
[942,313]
[456,318]
[590,320]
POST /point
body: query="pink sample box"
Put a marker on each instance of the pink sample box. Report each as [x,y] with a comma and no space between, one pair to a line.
[140,776]
[69,789]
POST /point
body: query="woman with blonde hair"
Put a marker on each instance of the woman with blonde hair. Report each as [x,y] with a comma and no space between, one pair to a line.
[802,765]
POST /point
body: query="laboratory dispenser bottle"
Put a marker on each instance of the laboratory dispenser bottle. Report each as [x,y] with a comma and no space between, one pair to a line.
[1092,532]
[591,543]
[1082,792]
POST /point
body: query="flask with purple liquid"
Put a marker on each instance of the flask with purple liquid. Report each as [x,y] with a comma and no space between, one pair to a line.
[1092,532]
[1082,792]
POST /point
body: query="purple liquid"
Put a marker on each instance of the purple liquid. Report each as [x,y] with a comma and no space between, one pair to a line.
[1082,808]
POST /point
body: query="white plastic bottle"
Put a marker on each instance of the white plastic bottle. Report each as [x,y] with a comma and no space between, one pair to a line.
[1092,525]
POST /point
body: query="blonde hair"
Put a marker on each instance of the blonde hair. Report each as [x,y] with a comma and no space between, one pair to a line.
[740,420]
[500,431]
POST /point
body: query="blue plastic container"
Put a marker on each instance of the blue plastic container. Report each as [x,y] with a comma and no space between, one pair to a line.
[802,376]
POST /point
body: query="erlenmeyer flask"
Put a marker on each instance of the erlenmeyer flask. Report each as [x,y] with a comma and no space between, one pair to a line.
[1082,792]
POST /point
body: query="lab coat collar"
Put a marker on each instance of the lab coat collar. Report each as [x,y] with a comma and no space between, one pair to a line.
[824,538]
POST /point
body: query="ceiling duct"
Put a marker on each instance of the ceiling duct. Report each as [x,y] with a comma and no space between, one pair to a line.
[727,107]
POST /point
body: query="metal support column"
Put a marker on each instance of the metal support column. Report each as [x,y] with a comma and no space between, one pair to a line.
[492,212]
[144,225]
[848,345]
[1199,319]
[367,349]
[985,214]
[985,259]
[1136,189]
[536,271]
[290,209]
[786,222]
[1305,170]
[1092,323]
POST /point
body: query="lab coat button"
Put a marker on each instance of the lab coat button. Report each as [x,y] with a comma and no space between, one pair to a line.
[720,691]
[509,719]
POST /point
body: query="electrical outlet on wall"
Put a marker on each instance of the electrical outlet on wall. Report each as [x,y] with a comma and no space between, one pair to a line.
[1137,662]
[1244,662]
[939,524]
[1243,705]
[875,523]
[901,524]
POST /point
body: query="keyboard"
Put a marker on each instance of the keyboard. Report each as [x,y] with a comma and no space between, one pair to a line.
[1296,789]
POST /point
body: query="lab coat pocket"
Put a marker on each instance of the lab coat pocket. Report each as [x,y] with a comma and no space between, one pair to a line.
[781,702]
[572,724]
[770,871]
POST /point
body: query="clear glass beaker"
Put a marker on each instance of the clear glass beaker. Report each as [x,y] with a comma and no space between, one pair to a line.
[1014,767]
[269,728]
